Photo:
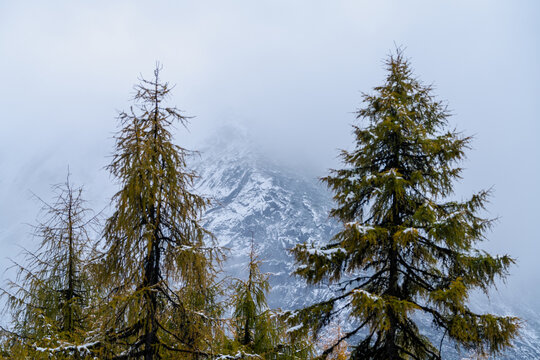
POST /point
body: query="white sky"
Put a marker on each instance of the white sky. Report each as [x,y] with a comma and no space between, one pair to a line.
[289,71]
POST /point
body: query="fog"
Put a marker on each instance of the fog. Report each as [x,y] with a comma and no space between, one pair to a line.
[290,72]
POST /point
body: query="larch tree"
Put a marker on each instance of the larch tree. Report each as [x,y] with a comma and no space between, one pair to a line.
[159,262]
[261,332]
[51,299]
[250,308]
[333,334]
[406,246]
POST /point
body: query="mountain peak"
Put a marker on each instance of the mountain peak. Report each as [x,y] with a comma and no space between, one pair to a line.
[279,208]
[228,140]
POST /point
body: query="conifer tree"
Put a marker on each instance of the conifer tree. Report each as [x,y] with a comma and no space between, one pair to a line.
[334,332]
[261,332]
[51,299]
[249,302]
[158,270]
[406,246]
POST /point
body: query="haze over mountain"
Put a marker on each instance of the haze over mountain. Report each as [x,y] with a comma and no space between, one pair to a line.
[257,198]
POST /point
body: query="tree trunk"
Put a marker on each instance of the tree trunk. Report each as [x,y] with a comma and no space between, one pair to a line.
[151,279]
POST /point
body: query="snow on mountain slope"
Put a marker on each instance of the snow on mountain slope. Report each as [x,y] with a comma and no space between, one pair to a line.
[254,198]
[278,208]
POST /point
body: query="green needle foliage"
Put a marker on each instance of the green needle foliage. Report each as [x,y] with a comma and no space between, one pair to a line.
[405,247]
[261,332]
[50,299]
[157,268]
[249,302]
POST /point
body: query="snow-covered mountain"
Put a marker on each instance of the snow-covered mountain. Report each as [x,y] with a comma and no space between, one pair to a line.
[278,208]
[255,198]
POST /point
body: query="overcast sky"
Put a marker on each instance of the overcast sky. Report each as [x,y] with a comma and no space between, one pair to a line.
[291,72]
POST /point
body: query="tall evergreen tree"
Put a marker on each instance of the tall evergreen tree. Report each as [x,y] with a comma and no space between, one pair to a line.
[157,267]
[261,332]
[249,303]
[50,301]
[406,247]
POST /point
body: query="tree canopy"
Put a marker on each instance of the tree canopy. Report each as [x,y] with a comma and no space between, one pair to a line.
[406,246]
[146,284]
[52,299]
[158,264]
[261,332]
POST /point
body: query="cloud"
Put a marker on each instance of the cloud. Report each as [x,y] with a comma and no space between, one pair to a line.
[291,72]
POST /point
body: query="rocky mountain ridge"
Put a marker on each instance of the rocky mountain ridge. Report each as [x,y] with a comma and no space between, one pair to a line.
[254,198]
